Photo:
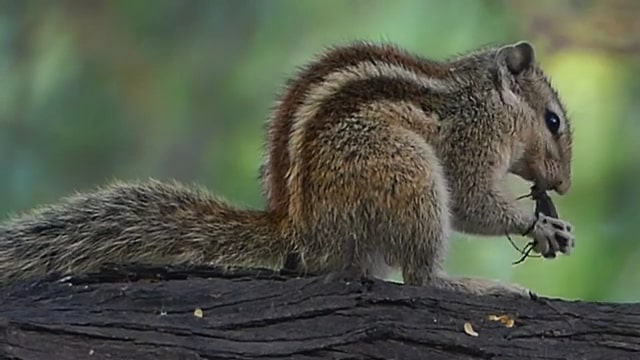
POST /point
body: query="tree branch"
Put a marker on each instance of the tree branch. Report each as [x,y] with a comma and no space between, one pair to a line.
[120,313]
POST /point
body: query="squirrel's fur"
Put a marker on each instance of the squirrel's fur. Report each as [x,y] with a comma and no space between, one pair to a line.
[374,156]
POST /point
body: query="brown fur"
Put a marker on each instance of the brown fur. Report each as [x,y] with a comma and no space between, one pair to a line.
[151,222]
[313,73]
[374,156]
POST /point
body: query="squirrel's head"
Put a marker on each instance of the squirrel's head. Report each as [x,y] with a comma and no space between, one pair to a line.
[540,117]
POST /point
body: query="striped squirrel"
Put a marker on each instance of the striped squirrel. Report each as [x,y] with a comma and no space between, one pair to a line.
[375,155]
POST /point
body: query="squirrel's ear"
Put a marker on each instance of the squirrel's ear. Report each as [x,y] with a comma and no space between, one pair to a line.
[517,57]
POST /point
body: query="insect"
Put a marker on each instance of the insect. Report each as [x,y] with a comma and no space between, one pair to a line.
[544,205]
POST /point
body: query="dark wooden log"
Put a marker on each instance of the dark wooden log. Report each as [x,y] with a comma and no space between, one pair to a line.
[120,313]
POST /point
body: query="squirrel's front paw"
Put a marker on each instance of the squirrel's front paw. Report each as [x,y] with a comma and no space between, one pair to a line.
[552,235]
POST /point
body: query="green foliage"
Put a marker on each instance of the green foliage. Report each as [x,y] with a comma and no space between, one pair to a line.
[92,91]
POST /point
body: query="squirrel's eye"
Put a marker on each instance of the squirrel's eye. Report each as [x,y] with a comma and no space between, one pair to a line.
[553,121]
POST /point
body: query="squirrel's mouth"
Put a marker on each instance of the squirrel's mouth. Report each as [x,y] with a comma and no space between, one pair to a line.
[543,185]
[539,174]
[559,186]
[550,178]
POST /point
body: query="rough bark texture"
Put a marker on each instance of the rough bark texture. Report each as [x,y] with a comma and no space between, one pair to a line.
[247,314]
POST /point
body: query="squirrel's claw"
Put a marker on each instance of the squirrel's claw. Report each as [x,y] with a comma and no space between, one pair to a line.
[551,236]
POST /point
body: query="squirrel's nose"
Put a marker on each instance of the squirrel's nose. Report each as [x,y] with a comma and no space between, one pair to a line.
[562,186]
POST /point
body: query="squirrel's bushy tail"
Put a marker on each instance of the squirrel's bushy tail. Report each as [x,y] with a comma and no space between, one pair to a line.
[149,222]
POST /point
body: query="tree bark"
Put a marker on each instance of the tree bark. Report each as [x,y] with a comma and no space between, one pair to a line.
[141,312]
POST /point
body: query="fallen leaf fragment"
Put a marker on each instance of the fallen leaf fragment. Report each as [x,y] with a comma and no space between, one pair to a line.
[198,312]
[469,329]
[503,319]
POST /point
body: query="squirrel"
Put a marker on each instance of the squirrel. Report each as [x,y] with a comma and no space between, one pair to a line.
[374,156]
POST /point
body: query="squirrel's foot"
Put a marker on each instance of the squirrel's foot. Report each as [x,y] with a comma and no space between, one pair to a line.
[480,286]
[347,275]
[552,235]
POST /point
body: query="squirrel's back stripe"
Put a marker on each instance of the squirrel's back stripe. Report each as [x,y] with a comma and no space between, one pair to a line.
[398,61]
[341,92]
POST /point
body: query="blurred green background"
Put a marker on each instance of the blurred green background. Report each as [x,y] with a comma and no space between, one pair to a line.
[96,90]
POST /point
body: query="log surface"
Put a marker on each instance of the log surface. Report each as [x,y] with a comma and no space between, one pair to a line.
[249,314]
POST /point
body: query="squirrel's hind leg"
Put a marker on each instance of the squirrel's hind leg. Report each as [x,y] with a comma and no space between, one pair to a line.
[351,269]
[420,230]
[480,286]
